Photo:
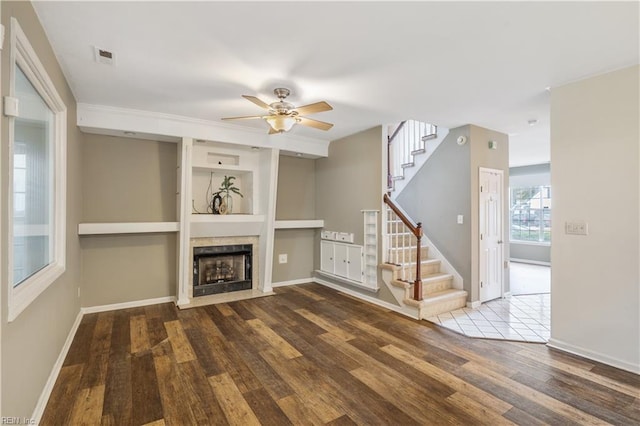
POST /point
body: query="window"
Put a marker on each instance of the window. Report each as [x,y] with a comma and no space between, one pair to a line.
[37,140]
[531,214]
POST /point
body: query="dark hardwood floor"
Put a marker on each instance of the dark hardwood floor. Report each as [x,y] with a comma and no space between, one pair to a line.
[311,355]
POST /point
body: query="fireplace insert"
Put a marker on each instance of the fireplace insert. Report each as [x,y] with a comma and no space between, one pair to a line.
[221,269]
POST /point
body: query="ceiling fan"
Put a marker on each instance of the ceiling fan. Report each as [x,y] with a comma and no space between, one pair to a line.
[283,115]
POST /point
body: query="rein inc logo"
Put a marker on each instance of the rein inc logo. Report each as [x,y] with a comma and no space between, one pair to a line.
[17,421]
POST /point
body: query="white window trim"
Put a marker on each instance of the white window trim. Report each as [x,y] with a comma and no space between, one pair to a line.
[23,55]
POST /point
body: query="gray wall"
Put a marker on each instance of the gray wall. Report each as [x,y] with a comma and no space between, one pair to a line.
[438,193]
[595,177]
[533,175]
[296,200]
[31,343]
[347,181]
[128,180]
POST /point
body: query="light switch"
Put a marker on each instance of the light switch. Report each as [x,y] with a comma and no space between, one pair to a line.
[282,258]
[460,219]
[576,228]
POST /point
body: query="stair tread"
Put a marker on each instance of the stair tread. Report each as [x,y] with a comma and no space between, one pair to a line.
[437,297]
[438,276]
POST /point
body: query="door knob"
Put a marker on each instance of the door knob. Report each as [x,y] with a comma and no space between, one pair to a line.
[499,241]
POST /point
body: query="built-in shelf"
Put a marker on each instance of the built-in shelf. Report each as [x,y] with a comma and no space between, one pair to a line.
[298,224]
[224,168]
[127,228]
[226,218]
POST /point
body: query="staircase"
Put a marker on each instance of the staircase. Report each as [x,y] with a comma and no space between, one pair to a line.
[438,294]
[419,283]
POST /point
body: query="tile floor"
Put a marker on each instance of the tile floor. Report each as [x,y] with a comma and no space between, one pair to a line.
[525,317]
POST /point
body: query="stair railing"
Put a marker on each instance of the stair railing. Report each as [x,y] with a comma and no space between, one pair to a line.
[407,140]
[399,257]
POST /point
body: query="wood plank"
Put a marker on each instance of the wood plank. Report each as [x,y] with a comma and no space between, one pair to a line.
[317,394]
[483,414]
[274,339]
[179,406]
[179,342]
[87,408]
[585,374]
[139,334]
[265,408]
[96,366]
[79,349]
[326,325]
[146,404]
[225,309]
[461,387]
[234,406]
[63,395]
[298,412]
[524,391]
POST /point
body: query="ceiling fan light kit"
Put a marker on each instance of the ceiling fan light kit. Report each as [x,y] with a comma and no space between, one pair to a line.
[283,115]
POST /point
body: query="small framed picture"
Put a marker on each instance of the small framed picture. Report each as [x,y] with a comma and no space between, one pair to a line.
[215,204]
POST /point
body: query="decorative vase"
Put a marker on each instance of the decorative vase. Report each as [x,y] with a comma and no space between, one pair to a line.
[228,201]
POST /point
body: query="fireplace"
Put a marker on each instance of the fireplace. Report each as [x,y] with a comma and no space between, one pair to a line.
[222,269]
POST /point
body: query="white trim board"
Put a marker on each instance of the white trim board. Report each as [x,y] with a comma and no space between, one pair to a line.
[55,371]
[595,356]
[366,298]
[527,261]
[126,305]
[292,282]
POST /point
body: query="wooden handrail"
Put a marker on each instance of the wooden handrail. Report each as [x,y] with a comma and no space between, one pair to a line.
[416,230]
[389,142]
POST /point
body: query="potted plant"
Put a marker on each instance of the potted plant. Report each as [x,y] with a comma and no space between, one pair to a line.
[225,190]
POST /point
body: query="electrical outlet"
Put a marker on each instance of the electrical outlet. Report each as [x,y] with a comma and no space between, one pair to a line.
[460,219]
[282,258]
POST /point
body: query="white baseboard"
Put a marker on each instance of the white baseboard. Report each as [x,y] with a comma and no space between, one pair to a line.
[366,298]
[55,371]
[474,305]
[292,282]
[125,305]
[595,356]
[532,262]
[506,295]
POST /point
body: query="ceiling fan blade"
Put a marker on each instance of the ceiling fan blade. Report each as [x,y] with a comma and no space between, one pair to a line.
[314,108]
[256,101]
[272,131]
[314,123]
[246,117]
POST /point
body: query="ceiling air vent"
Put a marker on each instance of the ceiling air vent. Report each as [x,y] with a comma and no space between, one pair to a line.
[103,56]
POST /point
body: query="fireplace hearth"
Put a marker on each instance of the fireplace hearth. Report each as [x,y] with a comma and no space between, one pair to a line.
[222,269]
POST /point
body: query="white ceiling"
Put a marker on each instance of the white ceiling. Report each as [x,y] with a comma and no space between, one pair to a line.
[449,63]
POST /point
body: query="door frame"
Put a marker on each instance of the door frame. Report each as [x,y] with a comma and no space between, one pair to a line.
[500,172]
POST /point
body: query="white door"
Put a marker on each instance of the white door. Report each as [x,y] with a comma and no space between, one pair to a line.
[326,257]
[491,234]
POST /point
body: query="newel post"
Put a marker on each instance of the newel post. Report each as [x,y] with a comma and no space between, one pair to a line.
[417,285]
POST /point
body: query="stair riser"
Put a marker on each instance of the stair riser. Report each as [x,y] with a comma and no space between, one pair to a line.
[443,306]
[410,273]
[435,286]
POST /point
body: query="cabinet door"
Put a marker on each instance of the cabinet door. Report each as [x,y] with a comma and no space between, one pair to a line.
[327,257]
[354,262]
[341,256]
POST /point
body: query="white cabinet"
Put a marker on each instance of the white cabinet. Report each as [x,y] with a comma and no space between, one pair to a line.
[343,260]
[327,262]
